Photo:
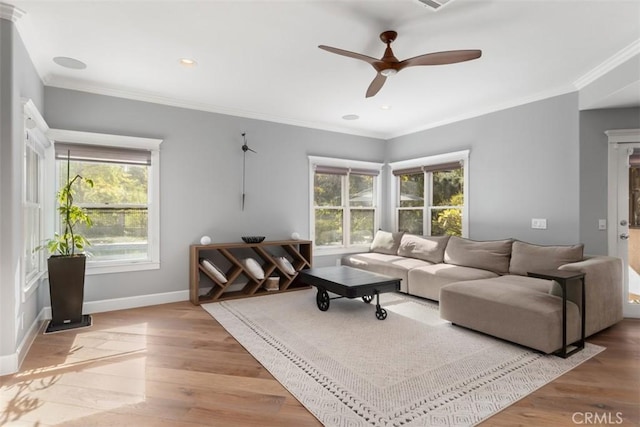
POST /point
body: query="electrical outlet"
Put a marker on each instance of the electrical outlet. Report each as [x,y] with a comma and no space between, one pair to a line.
[539,223]
[602,224]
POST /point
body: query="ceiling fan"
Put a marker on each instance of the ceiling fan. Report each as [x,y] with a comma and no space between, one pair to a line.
[389,65]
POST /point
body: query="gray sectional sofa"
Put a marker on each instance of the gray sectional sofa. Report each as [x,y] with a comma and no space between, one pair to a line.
[483,285]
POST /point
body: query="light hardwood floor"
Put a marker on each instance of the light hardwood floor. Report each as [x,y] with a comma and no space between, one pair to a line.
[173,365]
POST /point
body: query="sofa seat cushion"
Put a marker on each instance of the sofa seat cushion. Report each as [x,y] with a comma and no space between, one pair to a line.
[516,311]
[389,265]
[426,281]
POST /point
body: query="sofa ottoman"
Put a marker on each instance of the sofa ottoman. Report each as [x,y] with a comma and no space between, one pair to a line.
[515,308]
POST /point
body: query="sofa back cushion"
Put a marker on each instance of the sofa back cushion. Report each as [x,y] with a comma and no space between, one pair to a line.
[527,257]
[492,255]
[428,248]
[385,242]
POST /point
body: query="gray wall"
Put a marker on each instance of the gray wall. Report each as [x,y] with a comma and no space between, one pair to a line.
[18,79]
[523,165]
[593,170]
[201,176]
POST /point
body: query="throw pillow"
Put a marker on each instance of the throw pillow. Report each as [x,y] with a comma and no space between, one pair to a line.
[253,267]
[428,248]
[285,265]
[491,255]
[213,270]
[385,242]
[527,257]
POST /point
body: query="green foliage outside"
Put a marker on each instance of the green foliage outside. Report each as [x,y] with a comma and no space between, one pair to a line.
[117,202]
[329,211]
[448,191]
[71,216]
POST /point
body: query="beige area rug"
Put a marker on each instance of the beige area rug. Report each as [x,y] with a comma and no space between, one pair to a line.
[412,369]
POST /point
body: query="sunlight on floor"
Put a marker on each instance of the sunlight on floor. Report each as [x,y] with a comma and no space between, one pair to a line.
[94,368]
[634,286]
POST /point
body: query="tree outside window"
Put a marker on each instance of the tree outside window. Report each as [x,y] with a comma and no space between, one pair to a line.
[434,193]
[344,206]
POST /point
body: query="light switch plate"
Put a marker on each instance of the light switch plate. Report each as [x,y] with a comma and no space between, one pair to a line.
[602,224]
[539,223]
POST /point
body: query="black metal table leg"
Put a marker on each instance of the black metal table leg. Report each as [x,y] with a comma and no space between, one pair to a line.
[381,313]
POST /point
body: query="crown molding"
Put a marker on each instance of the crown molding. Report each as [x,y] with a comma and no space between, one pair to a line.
[614,61]
[540,96]
[54,81]
[10,12]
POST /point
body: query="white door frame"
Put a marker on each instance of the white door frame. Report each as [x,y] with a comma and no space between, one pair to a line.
[621,139]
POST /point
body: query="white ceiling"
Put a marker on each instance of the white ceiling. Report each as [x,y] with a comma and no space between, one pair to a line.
[260,58]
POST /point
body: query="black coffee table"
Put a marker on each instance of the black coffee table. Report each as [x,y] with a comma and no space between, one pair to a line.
[348,282]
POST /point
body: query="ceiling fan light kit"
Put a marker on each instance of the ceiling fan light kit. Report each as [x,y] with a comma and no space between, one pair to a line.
[389,65]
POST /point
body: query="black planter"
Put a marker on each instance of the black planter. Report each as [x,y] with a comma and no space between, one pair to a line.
[66,288]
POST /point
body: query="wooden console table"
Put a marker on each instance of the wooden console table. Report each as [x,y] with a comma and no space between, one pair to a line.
[228,256]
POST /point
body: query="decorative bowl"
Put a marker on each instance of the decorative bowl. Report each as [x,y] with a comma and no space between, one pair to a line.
[253,239]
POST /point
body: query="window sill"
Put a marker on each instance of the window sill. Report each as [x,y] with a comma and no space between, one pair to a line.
[319,251]
[119,267]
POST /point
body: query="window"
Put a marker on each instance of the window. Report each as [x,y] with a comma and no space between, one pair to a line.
[430,196]
[344,203]
[32,259]
[123,203]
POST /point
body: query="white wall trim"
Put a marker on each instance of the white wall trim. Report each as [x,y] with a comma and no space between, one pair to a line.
[617,136]
[121,141]
[10,364]
[65,83]
[614,61]
[114,304]
[10,12]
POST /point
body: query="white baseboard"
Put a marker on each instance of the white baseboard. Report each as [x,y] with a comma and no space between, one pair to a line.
[10,363]
[128,302]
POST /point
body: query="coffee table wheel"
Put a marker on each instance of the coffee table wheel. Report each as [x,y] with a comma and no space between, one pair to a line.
[381,313]
[322,299]
[367,298]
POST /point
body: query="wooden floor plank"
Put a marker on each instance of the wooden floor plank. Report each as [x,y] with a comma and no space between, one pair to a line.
[174,365]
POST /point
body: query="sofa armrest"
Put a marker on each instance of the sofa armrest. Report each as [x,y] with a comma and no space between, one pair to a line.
[603,284]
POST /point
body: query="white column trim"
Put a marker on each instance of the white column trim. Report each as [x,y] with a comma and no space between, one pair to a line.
[10,12]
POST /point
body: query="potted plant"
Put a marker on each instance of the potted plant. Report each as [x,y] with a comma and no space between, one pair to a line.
[66,265]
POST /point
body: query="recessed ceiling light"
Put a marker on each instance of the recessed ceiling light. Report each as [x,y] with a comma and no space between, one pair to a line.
[385,107]
[66,62]
[351,117]
[187,62]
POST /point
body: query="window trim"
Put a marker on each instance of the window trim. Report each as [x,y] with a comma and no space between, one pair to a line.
[356,166]
[35,126]
[117,141]
[456,156]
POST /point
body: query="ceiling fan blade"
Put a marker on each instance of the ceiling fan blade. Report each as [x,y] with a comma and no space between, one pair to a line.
[441,58]
[349,54]
[376,85]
